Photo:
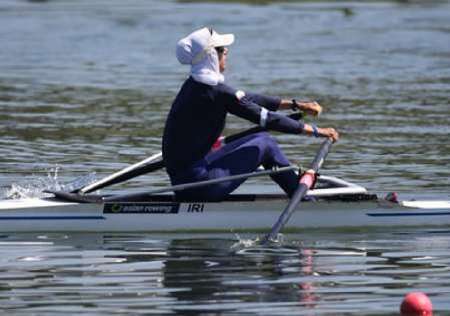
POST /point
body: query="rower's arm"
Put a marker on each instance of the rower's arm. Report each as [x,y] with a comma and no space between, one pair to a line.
[269,102]
[277,122]
[310,107]
[275,103]
[240,105]
[312,130]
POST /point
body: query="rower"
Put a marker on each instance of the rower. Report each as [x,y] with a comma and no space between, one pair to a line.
[197,119]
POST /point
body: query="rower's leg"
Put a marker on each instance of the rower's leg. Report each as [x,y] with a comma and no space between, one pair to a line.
[274,157]
[246,155]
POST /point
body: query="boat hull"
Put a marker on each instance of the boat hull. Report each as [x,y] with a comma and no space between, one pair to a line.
[256,213]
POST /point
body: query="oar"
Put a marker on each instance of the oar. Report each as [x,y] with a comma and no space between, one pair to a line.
[145,195]
[149,164]
[295,116]
[155,162]
[305,183]
[142,196]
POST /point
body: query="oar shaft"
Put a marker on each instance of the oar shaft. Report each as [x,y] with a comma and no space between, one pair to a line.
[321,155]
[305,184]
[295,116]
[125,173]
[286,214]
[185,186]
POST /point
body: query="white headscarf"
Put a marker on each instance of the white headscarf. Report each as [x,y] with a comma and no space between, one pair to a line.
[198,50]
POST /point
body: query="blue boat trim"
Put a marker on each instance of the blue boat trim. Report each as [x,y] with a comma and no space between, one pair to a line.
[408,214]
[2,218]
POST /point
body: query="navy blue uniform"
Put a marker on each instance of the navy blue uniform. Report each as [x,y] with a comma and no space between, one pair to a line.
[197,119]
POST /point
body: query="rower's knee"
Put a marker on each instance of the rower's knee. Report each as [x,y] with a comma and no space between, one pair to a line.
[266,140]
[270,152]
[270,147]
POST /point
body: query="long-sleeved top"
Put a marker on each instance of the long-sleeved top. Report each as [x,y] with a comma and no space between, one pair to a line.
[197,118]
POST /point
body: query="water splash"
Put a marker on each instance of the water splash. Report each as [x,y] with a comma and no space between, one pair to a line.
[253,247]
[34,187]
[243,243]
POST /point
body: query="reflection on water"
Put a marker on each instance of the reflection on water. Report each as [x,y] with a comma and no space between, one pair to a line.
[313,273]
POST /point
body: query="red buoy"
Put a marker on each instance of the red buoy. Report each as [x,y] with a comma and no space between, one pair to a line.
[416,304]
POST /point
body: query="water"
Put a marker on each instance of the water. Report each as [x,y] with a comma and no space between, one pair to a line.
[85,87]
[359,273]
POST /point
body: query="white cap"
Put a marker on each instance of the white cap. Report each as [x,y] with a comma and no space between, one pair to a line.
[194,47]
[219,40]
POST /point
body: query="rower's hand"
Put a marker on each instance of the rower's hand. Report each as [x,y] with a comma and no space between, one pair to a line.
[312,108]
[329,132]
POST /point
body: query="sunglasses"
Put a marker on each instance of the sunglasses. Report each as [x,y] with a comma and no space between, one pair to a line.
[220,49]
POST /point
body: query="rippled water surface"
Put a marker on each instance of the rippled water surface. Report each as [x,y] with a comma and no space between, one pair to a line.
[311,274]
[85,87]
